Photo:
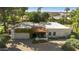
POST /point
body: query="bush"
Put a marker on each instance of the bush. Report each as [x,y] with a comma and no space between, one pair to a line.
[77,34]
[72,36]
[2,44]
[71,45]
[5,38]
[3,41]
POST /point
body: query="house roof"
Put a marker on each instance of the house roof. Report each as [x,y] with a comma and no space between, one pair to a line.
[48,25]
[55,25]
[27,25]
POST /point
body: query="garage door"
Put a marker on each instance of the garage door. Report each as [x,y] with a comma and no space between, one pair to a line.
[21,36]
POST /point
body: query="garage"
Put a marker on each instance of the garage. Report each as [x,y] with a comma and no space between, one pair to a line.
[21,31]
[21,36]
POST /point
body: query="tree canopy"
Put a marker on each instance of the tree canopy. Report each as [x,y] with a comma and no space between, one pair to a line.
[11,14]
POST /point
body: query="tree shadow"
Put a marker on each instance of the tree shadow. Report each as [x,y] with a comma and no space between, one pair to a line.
[13,49]
[48,46]
[10,49]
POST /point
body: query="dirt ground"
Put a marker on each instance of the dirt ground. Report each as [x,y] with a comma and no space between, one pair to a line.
[26,45]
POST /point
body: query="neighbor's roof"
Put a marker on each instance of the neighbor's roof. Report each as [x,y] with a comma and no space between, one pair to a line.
[55,25]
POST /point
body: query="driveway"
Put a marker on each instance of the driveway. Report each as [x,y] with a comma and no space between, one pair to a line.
[26,45]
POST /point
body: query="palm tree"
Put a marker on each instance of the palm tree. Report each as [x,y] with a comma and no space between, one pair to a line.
[39,9]
[66,11]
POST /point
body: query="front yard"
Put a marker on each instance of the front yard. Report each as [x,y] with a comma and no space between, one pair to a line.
[27,45]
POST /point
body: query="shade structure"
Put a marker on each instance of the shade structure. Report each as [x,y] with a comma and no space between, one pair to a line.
[39,29]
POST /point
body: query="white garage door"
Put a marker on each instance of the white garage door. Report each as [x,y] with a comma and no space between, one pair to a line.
[21,36]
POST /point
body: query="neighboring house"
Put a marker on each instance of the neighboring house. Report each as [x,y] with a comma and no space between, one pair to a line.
[40,31]
[57,15]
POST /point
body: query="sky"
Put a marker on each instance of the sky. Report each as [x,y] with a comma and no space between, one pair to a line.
[50,9]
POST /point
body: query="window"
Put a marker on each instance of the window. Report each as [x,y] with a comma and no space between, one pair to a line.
[49,33]
[54,33]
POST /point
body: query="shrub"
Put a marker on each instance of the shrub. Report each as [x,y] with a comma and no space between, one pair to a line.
[77,34]
[71,45]
[2,44]
[72,36]
[3,41]
[5,38]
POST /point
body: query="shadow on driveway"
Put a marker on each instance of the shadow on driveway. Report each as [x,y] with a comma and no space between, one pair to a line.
[25,44]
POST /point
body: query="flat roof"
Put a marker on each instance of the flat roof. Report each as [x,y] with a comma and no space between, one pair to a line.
[55,25]
[27,25]
[48,25]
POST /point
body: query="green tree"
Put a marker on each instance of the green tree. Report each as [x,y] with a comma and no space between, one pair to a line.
[3,12]
[74,15]
[39,9]
[11,13]
[34,17]
[44,16]
[66,14]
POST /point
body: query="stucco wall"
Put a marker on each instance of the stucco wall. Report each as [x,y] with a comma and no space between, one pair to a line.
[19,35]
[59,32]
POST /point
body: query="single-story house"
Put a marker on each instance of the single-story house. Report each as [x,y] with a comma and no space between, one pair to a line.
[55,29]
[40,31]
[21,31]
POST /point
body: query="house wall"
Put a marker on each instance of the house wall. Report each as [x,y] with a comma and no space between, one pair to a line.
[59,32]
[19,35]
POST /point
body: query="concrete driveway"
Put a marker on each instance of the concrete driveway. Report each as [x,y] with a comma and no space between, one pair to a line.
[26,45]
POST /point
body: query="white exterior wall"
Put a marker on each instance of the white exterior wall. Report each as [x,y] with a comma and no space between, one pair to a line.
[19,35]
[59,32]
